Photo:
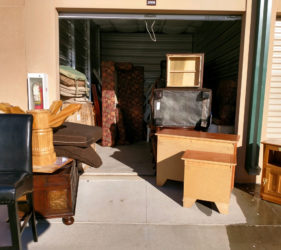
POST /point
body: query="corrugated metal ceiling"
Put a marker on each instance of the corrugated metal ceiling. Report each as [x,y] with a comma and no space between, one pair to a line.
[139,26]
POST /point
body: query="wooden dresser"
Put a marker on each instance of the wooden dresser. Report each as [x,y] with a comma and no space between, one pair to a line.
[271,172]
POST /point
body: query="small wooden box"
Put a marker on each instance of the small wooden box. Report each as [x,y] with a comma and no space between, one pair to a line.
[55,193]
[185,70]
[208,176]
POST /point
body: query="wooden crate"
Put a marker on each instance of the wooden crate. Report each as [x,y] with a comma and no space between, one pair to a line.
[84,116]
[271,172]
[185,70]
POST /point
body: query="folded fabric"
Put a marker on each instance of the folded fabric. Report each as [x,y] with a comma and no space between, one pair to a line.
[72,73]
[71,82]
[86,155]
[74,134]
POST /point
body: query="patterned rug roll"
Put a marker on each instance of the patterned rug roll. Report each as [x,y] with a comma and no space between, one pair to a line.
[131,99]
[108,103]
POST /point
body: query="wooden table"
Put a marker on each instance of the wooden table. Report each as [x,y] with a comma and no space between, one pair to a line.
[172,143]
[271,172]
[208,176]
[55,190]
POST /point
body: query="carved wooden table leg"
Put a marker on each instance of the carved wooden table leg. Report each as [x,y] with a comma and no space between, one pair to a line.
[69,220]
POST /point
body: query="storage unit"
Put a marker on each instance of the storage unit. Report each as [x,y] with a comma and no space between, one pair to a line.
[185,70]
[208,176]
[191,48]
[182,42]
[271,173]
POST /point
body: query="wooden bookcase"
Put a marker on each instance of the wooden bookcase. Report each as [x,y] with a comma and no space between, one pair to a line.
[185,70]
[271,172]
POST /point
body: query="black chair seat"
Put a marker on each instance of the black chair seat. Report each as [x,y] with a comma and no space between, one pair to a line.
[13,185]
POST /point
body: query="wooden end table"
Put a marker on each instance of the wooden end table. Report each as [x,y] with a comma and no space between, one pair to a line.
[271,172]
[55,190]
[208,176]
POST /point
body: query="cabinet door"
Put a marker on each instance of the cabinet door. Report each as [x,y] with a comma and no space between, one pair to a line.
[272,181]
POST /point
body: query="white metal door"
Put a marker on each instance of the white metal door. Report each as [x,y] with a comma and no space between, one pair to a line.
[273,128]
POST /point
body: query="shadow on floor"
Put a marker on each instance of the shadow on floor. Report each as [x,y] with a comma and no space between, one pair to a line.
[126,159]
[174,190]
[27,237]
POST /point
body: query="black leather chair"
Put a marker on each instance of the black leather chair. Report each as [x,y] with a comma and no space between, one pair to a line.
[16,172]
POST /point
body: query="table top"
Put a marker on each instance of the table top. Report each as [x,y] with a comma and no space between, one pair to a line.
[60,162]
[217,158]
[198,134]
[274,142]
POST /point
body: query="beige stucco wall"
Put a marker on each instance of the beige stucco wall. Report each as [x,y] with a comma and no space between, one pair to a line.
[225,6]
[12,53]
[31,43]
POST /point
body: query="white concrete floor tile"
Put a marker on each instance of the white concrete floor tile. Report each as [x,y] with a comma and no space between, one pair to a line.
[88,236]
[187,237]
[111,201]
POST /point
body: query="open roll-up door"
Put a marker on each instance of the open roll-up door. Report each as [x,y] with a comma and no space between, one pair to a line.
[273,123]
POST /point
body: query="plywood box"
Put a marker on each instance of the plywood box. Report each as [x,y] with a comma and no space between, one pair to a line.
[185,70]
[208,176]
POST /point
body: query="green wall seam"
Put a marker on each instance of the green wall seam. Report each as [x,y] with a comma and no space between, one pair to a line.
[263,24]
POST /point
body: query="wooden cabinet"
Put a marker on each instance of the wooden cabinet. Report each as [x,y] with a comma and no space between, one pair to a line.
[55,193]
[271,172]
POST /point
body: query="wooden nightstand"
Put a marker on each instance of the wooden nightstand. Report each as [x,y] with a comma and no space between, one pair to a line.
[55,193]
[208,176]
[271,172]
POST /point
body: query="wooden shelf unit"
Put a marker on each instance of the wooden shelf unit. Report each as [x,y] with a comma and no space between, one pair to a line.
[185,70]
